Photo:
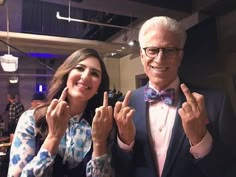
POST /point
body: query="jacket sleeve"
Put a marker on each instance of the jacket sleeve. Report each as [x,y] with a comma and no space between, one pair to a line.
[221,161]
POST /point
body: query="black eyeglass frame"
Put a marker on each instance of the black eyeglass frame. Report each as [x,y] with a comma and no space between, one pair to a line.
[163,49]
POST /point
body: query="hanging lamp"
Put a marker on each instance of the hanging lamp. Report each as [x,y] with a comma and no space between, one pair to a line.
[9,62]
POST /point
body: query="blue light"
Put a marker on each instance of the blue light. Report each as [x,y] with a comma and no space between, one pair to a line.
[41,88]
[45,55]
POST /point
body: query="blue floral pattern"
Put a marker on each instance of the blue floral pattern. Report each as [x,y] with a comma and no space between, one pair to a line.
[73,147]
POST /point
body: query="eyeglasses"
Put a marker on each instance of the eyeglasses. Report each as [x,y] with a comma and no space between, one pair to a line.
[168,52]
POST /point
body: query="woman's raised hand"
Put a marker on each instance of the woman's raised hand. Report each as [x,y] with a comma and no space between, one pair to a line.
[123,115]
[101,127]
[57,116]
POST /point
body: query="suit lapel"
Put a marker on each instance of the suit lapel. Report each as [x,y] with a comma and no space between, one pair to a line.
[141,109]
[142,129]
[176,141]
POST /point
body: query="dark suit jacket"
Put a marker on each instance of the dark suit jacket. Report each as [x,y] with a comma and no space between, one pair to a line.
[220,162]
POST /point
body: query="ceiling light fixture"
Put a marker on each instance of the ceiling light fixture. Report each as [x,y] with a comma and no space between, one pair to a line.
[113,53]
[133,43]
[13,79]
[131,36]
[9,63]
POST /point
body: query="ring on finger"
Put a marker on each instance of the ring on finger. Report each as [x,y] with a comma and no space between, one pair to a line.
[192,100]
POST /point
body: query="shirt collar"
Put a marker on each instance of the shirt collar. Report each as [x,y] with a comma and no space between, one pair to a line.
[174,84]
[76,118]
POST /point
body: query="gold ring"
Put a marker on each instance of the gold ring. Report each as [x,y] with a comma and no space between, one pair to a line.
[192,100]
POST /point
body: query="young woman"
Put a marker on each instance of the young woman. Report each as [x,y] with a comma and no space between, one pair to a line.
[68,135]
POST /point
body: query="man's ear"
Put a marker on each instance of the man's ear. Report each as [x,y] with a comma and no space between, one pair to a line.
[141,56]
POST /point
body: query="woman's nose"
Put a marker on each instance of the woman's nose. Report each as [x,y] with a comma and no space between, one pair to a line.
[84,75]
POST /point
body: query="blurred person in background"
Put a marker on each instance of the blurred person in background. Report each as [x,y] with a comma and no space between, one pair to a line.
[37,99]
[16,108]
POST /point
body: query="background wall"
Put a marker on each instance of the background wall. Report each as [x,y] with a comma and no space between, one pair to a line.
[113,69]
[129,69]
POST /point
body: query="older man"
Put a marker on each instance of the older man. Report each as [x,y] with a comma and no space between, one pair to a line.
[177,130]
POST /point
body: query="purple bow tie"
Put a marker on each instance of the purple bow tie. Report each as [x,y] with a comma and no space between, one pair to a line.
[167,96]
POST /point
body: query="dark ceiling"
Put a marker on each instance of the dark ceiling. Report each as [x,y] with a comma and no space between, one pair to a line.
[180,5]
[39,17]
[98,20]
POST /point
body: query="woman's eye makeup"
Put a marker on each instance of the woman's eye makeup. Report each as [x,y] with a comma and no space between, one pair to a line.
[93,72]
[79,68]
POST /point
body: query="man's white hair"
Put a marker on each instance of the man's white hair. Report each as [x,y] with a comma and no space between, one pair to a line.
[168,23]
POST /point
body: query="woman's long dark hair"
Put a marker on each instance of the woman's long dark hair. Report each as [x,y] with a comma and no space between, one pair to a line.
[58,83]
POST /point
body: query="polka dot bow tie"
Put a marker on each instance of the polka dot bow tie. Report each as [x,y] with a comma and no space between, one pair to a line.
[167,96]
